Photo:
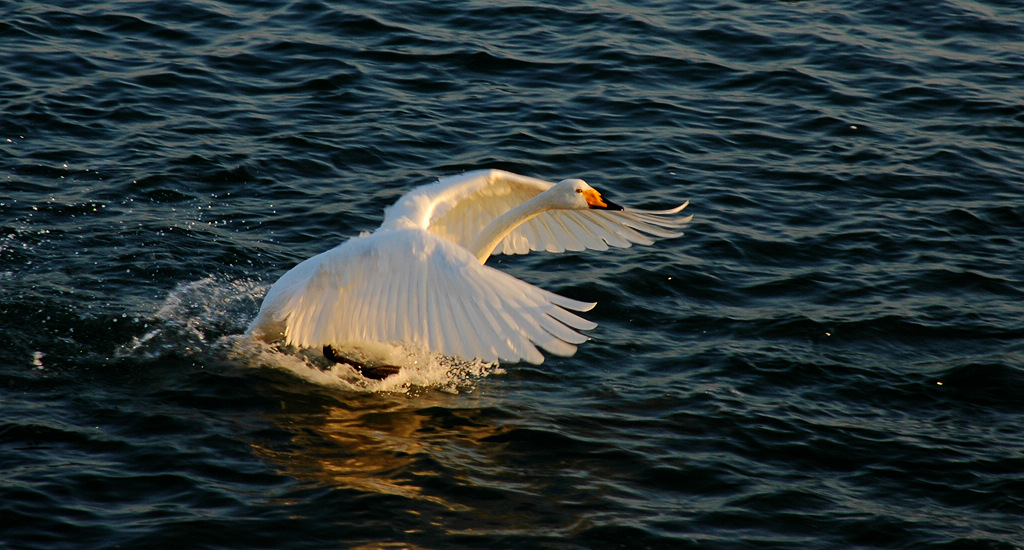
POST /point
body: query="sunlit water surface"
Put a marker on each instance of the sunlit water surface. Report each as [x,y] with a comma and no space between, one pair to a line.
[831,357]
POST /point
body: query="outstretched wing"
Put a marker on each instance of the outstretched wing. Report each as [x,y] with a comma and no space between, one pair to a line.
[411,286]
[461,206]
[561,230]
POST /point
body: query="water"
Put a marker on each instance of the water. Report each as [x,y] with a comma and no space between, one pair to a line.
[831,357]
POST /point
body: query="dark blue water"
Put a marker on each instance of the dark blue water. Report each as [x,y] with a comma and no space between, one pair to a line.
[831,357]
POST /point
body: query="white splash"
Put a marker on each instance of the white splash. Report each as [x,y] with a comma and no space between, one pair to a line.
[207,319]
[420,369]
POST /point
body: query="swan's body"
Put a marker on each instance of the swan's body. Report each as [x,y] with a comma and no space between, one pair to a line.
[420,278]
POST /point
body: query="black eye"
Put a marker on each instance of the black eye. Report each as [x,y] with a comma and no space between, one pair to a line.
[579,190]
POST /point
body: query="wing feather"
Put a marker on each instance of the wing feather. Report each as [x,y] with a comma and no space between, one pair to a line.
[590,232]
[372,289]
[486,333]
[369,306]
[400,304]
[573,240]
[560,331]
[561,239]
[572,320]
[606,230]
[499,322]
[434,327]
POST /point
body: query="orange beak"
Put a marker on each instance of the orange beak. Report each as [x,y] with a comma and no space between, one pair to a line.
[595,200]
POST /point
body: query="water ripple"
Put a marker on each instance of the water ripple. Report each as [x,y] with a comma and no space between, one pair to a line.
[830,357]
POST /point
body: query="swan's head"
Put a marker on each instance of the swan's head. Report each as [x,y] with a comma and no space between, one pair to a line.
[576,194]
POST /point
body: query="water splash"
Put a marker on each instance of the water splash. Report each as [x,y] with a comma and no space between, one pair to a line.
[194,318]
[206,319]
[420,369]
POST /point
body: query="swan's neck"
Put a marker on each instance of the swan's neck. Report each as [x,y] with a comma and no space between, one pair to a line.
[484,243]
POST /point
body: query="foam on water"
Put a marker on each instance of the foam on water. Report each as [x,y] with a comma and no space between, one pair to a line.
[208,318]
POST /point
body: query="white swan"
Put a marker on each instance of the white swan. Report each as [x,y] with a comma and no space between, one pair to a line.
[421,279]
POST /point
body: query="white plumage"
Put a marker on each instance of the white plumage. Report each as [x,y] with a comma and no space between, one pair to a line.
[420,278]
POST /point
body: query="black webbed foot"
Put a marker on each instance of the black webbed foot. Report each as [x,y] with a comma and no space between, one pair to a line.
[375,372]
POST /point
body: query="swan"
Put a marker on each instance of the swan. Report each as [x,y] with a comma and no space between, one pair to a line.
[421,277]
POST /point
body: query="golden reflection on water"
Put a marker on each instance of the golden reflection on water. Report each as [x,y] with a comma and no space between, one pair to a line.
[384,444]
